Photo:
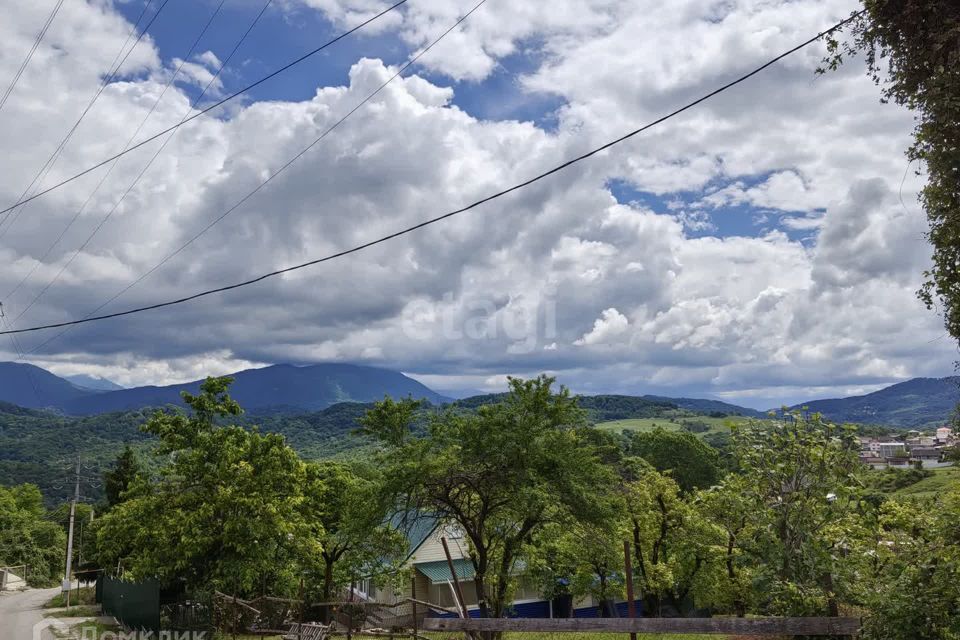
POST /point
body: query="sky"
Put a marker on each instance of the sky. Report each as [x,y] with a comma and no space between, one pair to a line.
[764,247]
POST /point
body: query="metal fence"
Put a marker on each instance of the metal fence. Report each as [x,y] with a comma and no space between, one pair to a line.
[13,577]
[135,604]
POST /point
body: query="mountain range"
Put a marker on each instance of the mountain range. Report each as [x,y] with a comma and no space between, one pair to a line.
[914,403]
[288,389]
[280,388]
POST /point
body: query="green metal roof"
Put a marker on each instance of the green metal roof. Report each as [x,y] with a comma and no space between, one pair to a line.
[440,572]
[417,527]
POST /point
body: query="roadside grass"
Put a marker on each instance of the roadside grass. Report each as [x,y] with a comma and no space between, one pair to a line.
[82,611]
[85,595]
[586,636]
[941,480]
[611,636]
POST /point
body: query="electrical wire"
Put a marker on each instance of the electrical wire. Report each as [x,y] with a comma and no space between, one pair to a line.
[447,215]
[156,154]
[286,165]
[103,179]
[48,165]
[33,49]
[206,110]
[290,162]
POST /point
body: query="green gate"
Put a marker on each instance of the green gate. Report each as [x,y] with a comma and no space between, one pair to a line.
[135,604]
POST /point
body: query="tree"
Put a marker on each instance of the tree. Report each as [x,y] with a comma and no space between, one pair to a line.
[799,476]
[585,559]
[501,474]
[912,582]
[728,511]
[117,480]
[912,49]
[28,536]
[681,455]
[224,512]
[667,538]
[347,517]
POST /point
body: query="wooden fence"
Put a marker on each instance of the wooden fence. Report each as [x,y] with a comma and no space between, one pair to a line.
[734,626]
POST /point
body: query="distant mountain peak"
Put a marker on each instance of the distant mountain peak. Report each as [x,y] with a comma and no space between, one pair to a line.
[93,383]
[279,388]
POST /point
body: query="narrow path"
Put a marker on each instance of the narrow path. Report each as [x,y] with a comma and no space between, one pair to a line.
[20,611]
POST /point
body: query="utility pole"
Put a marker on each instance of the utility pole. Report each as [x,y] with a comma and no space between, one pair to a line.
[73,512]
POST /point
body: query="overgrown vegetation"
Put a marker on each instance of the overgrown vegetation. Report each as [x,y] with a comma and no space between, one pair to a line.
[785,522]
[27,535]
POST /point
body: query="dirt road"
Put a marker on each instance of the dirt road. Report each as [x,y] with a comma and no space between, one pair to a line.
[20,611]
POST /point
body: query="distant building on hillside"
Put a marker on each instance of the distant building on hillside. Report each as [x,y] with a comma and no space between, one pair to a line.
[944,434]
[890,449]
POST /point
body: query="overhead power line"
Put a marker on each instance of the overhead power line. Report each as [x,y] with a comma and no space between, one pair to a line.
[33,49]
[520,185]
[146,167]
[213,106]
[48,165]
[103,179]
[283,167]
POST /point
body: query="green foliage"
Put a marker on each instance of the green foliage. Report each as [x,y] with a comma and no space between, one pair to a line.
[346,515]
[117,480]
[684,457]
[912,49]
[891,480]
[81,596]
[225,510]
[600,408]
[911,583]
[697,426]
[501,473]
[940,481]
[667,537]
[799,476]
[606,407]
[31,441]
[795,526]
[28,536]
[580,559]
[726,581]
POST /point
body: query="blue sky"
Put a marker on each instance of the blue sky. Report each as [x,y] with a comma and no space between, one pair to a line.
[283,34]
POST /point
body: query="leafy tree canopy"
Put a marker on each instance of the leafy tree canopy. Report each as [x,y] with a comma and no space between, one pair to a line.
[501,474]
[224,512]
[683,456]
[28,535]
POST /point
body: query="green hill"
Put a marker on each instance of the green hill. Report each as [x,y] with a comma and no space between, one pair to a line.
[920,402]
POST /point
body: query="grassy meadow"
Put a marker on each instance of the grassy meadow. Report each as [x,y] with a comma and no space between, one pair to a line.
[928,487]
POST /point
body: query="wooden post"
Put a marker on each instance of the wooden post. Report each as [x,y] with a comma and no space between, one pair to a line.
[300,626]
[413,602]
[628,573]
[233,615]
[456,582]
[353,586]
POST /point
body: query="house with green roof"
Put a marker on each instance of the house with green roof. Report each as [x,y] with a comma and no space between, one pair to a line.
[433,582]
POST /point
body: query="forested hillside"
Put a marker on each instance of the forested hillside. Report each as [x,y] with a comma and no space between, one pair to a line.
[915,403]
